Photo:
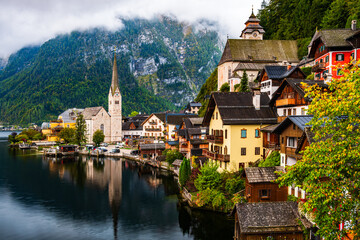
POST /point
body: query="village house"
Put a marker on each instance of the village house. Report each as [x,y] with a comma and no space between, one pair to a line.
[269,220]
[132,127]
[151,150]
[192,137]
[234,120]
[260,185]
[154,126]
[289,99]
[272,76]
[290,131]
[252,54]
[332,47]
[193,107]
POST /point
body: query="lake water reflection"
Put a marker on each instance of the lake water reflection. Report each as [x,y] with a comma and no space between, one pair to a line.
[95,199]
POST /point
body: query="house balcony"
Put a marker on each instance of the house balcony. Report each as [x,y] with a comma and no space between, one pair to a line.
[153,129]
[152,123]
[196,152]
[318,67]
[289,151]
[285,102]
[215,139]
[216,156]
[272,145]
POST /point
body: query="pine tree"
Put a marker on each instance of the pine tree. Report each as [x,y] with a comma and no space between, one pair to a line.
[80,130]
[244,84]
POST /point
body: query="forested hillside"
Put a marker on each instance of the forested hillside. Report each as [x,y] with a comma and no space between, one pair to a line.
[161,64]
[298,19]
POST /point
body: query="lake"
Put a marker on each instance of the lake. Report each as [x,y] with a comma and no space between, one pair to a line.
[84,198]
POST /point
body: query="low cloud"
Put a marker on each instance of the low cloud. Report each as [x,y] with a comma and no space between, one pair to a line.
[24,22]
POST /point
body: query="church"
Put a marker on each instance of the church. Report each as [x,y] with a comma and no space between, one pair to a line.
[108,122]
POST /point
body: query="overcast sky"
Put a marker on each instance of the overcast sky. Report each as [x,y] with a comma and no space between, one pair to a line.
[29,22]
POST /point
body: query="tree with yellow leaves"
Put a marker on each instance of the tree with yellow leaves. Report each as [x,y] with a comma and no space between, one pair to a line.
[329,171]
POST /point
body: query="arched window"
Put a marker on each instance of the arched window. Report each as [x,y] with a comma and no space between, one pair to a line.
[102,128]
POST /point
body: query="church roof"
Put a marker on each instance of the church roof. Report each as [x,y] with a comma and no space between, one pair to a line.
[88,113]
[260,51]
[115,78]
[69,115]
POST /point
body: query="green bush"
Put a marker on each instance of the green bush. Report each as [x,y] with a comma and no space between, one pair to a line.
[234,185]
[184,172]
[209,177]
[272,160]
[172,155]
[225,87]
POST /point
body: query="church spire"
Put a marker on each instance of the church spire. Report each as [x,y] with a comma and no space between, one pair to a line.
[115,79]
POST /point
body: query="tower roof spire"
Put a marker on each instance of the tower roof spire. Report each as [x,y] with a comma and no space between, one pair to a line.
[115,79]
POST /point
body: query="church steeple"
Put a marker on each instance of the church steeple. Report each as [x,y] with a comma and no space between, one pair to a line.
[115,79]
[253,29]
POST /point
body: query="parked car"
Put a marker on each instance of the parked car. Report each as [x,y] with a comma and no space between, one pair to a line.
[120,145]
[103,149]
[104,145]
[115,150]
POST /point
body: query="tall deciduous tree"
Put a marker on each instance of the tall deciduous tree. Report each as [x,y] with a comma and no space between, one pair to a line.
[98,137]
[80,127]
[330,168]
[67,134]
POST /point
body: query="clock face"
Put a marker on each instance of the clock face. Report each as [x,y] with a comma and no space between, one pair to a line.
[254,34]
[116,94]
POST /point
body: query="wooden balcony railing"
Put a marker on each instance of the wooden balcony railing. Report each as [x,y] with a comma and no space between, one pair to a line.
[153,129]
[216,156]
[318,67]
[272,145]
[215,139]
[285,101]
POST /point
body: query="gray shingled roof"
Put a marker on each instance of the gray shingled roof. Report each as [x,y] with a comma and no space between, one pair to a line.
[260,50]
[251,66]
[262,174]
[196,120]
[237,108]
[300,121]
[88,113]
[269,128]
[334,37]
[177,162]
[270,217]
[152,146]
[69,116]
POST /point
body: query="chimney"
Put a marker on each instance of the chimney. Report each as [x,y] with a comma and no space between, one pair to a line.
[256,100]
[353,25]
[289,67]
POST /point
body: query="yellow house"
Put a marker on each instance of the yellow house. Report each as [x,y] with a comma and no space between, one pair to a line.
[67,119]
[234,120]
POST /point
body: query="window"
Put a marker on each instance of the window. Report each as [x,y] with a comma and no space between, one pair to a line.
[294,111]
[243,133]
[229,72]
[243,151]
[216,116]
[340,57]
[257,151]
[116,102]
[225,150]
[225,133]
[102,127]
[289,112]
[257,133]
[291,142]
[284,112]
[338,72]
[321,60]
[264,193]
[302,111]
[352,56]
[327,59]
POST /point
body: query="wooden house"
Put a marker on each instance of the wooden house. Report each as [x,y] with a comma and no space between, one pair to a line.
[151,150]
[269,220]
[260,186]
[332,47]
[289,99]
[192,137]
[234,120]
[271,77]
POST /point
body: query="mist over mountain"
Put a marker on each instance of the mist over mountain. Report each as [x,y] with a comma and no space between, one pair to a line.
[162,64]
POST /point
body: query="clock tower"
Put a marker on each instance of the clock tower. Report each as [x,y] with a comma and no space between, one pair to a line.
[115,105]
[253,29]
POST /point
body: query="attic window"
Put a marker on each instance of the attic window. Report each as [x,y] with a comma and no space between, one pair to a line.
[264,193]
[340,57]
[116,102]
[327,59]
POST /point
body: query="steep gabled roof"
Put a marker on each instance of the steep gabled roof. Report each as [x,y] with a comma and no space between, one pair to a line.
[296,84]
[301,121]
[262,174]
[332,38]
[177,118]
[238,50]
[270,217]
[88,113]
[237,108]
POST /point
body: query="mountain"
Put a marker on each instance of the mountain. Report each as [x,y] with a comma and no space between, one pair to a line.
[162,64]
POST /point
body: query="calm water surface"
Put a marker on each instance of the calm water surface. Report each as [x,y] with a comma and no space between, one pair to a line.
[90,199]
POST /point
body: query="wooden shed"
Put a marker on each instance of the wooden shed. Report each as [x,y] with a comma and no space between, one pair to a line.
[260,185]
[269,220]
